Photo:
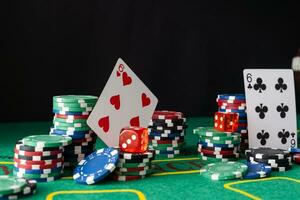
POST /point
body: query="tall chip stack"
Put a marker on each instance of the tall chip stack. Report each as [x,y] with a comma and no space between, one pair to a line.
[166,134]
[236,103]
[71,113]
[217,146]
[40,157]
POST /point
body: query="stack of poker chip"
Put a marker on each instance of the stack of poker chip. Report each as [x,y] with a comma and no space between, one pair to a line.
[40,157]
[217,146]
[133,166]
[70,119]
[236,103]
[295,154]
[166,133]
[15,188]
[278,159]
[224,170]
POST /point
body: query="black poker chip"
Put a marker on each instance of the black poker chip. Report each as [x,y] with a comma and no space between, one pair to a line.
[165,138]
[236,155]
[267,153]
[137,156]
[179,121]
[22,147]
[135,160]
[270,161]
[173,128]
[38,158]
[164,131]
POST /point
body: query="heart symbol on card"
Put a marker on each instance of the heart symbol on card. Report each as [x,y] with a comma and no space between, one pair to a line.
[126,79]
[118,73]
[135,121]
[145,100]
[104,123]
[115,101]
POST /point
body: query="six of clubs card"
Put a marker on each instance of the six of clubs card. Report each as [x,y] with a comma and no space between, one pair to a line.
[124,101]
[271,108]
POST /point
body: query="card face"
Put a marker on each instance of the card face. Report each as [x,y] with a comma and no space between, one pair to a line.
[124,101]
[271,108]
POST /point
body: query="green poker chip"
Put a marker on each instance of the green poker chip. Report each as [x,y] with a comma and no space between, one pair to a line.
[73,109]
[208,159]
[75,99]
[34,176]
[232,137]
[73,105]
[47,141]
[75,125]
[164,148]
[11,185]
[224,170]
[68,121]
[210,140]
[70,128]
[133,165]
[210,131]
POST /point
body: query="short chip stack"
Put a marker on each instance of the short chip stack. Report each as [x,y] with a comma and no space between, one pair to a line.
[217,146]
[166,133]
[278,159]
[236,103]
[71,113]
[133,166]
[40,157]
[16,188]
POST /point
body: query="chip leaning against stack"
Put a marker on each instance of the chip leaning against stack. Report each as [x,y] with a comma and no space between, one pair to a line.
[217,146]
[236,103]
[166,133]
[71,113]
[40,157]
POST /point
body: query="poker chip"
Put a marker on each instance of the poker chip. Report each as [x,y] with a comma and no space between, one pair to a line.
[229,101]
[167,131]
[37,162]
[207,144]
[159,152]
[75,99]
[214,160]
[32,167]
[38,171]
[96,166]
[46,140]
[224,170]
[126,178]
[166,135]
[11,185]
[130,156]
[166,122]
[71,117]
[164,114]
[210,132]
[38,158]
[136,160]
[232,96]
[48,179]
[294,150]
[172,145]
[165,138]
[212,152]
[37,153]
[296,158]
[132,169]
[28,190]
[69,112]
[72,129]
[257,170]
[153,141]
[36,176]
[21,147]
[132,165]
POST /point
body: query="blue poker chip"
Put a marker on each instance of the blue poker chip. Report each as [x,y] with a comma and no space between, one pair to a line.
[294,150]
[166,135]
[243,121]
[257,170]
[240,112]
[232,96]
[96,166]
[69,113]
[37,171]
[205,144]
[72,134]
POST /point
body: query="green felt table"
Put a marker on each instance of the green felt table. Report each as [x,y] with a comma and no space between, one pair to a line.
[173,178]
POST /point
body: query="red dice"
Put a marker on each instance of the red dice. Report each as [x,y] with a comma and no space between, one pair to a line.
[227,122]
[134,139]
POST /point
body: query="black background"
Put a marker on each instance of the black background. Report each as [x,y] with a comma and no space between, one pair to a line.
[186,52]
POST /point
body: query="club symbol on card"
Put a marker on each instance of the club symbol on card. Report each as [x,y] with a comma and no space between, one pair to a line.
[259,85]
[261,110]
[280,85]
[263,136]
[282,109]
[135,121]
[104,123]
[283,135]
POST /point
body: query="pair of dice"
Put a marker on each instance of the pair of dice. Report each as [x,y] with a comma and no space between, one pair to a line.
[133,139]
[227,122]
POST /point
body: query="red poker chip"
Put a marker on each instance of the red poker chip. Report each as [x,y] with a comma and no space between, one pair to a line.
[126,178]
[38,162]
[210,152]
[37,153]
[164,114]
[71,116]
[232,104]
[296,158]
[166,141]
[32,167]
[236,101]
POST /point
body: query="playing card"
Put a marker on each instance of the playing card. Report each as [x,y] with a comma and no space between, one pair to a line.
[124,101]
[271,108]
